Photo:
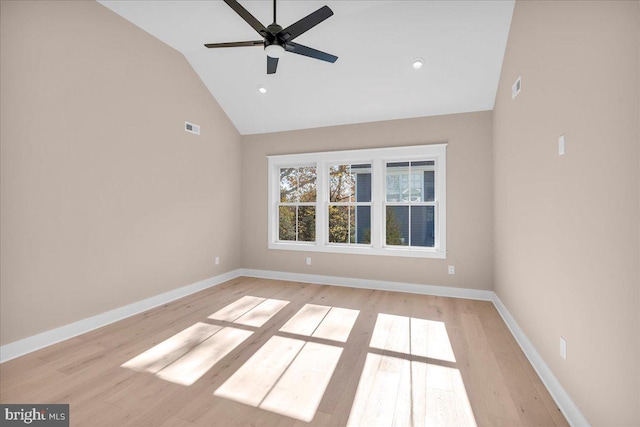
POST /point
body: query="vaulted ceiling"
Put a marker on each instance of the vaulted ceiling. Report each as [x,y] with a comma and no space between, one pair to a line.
[462,44]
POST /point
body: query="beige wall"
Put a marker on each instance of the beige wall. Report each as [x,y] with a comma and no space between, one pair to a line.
[566,228]
[105,199]
[469,200]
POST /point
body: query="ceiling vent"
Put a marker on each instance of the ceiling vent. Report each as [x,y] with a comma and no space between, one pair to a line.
[192,128]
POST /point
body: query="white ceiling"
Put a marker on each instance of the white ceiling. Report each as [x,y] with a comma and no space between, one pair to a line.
[462,43]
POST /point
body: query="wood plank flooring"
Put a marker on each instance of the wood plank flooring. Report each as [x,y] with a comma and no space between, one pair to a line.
[255,352]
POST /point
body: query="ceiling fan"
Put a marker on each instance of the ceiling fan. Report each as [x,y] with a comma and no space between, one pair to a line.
[277,40]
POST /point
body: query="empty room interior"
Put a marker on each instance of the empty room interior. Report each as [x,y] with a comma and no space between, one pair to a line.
[331,213]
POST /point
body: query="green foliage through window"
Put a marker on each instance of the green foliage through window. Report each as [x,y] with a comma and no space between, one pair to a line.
[297,212]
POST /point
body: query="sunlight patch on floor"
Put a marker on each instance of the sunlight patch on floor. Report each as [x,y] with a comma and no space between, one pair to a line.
[190,367]
[320,321]
[232,311]
[306,320]
[409,335]
[168,351]
[286,376]
[188,355]
[250,311]
[396,391]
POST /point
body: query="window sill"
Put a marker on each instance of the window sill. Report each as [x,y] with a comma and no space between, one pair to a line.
[361,250]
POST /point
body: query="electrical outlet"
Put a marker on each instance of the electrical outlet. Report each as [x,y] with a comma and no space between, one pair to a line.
[563,348]
[308,260]
[452,269]
[217,260]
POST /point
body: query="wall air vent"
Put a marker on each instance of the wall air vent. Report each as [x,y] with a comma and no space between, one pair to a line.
[192,128]
[517,86]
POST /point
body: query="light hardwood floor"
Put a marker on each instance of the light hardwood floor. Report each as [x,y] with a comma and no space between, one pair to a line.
[254,352]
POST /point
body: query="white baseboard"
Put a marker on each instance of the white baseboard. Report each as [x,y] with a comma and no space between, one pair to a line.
[572,413]
[53,336]
[444,291]
[574,416]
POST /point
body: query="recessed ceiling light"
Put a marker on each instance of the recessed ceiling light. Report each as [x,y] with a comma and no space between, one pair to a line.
[262,89]
[417,63]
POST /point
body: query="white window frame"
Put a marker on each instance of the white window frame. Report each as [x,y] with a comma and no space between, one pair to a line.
[409,203]
[378,157]
[294,204]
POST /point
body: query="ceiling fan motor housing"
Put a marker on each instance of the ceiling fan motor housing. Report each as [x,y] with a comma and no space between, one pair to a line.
[274,28]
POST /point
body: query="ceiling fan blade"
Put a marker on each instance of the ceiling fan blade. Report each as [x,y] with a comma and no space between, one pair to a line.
[305,24]
[272,65]
[249,18]
[236,44]
[307,51]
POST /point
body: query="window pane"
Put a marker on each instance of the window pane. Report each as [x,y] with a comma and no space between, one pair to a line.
[422,226]
[417,182]
[422,182]
[350,224]
[362,175]
[307,223]
[410,181]
[363,224]
[339,224]
[350,183]
[307,184]
[398,225]
[287,223]
[298,184]
[422,163]
[288,184]
[342,184]
[429,186]
[397,182]
[398,165]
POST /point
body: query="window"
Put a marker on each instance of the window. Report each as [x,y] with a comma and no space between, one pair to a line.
[297,205]
[410,204]
[349,209]
[389,201]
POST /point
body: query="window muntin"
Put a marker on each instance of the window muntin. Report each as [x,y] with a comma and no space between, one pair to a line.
[419,190]
[410,203]
[297,204]
[349,207]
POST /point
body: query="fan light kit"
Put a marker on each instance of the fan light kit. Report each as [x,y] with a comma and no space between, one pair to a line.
[417,63]
[276,40]
[274,51]
[262,89]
